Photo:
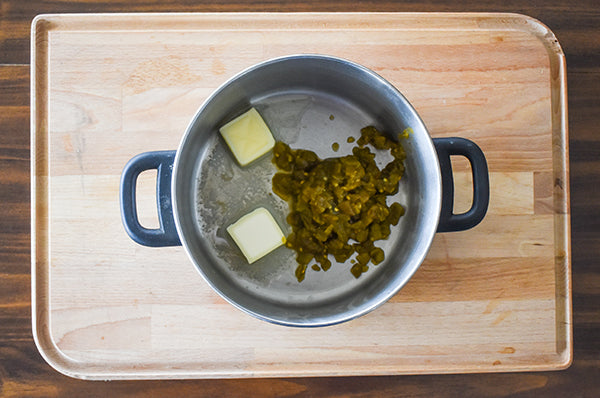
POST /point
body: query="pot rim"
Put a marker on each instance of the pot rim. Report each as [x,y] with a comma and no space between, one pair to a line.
[383,296]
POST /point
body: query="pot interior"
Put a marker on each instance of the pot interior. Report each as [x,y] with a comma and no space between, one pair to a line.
[308,102]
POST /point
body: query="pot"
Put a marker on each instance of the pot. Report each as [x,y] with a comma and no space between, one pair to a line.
[308,101]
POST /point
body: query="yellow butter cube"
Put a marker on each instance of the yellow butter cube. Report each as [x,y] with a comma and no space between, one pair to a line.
[256,234]
[248,137]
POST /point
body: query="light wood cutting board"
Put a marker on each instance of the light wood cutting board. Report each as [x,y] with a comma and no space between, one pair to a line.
[107,87]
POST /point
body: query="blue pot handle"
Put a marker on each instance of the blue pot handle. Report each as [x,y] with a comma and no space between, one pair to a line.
[166,235]
[449,221]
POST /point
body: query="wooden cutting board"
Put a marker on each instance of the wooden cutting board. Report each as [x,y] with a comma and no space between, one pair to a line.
[107,87]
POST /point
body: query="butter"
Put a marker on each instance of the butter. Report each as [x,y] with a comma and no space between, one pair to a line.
[248,137]
[256,234]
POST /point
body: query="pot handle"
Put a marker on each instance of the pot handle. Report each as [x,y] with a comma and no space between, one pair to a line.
[445,148]
[166,235]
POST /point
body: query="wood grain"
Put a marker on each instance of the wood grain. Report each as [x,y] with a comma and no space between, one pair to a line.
[24,373]
[103,87]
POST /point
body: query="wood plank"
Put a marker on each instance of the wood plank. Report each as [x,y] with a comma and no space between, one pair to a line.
[171,275]
[514,236]
[14,182]
[14,81]
[490,280]
[510,193]
[95,196]
[522,236]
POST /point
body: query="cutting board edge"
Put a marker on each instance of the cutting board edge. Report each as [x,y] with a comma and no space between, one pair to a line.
[64,365]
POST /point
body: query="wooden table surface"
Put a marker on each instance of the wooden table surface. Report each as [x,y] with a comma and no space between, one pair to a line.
[23,372]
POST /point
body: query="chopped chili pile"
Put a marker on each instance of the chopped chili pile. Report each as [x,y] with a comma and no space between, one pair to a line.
[338,205]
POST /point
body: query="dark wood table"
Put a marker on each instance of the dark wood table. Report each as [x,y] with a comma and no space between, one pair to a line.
[23,372]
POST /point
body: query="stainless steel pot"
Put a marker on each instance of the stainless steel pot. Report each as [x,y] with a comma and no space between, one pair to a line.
[308,101]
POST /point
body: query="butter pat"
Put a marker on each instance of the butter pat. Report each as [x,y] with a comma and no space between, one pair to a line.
[256,234]
[248,137]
